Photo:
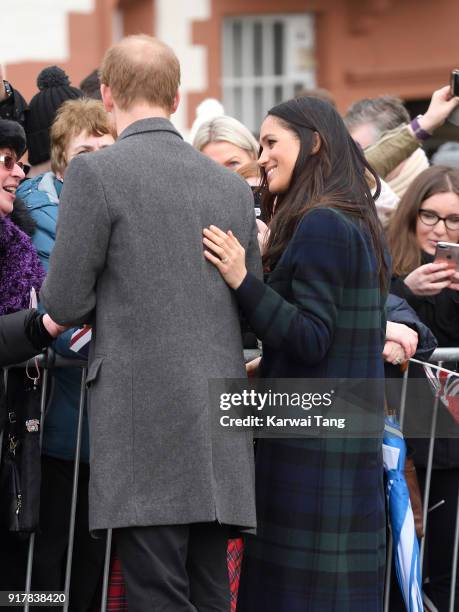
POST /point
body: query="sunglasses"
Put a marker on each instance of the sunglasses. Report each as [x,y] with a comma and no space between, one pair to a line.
[9,162]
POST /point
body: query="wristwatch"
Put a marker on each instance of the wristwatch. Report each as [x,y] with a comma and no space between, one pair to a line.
[418,131]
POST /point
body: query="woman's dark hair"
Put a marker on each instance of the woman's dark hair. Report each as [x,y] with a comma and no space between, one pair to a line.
[337,176]
[401,229]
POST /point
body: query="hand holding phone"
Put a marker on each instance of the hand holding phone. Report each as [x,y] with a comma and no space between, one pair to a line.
[429,279]
[448,252]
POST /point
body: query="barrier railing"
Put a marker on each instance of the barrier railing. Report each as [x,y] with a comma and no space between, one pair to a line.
[51,360]
[440,357]
[47,362]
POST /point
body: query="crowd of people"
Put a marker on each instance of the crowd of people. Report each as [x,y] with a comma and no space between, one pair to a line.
[316,241]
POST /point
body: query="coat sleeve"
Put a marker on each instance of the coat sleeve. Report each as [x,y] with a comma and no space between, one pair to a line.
[393,147]
[83,233]
[319,270]
[399,311]
[398,287]
[21,337]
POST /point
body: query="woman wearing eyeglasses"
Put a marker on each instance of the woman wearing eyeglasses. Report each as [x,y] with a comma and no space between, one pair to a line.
[22,334]
[427,214]
[20,269]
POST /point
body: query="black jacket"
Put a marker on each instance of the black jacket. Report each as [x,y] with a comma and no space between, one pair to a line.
[399,311]
[22,335]
[441,314]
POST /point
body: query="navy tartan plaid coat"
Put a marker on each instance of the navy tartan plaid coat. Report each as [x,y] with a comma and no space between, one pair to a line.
[320,544]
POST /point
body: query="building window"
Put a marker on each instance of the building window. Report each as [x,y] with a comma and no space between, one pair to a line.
[266,59]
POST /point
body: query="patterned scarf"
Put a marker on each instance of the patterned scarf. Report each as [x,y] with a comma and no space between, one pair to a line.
[20,268]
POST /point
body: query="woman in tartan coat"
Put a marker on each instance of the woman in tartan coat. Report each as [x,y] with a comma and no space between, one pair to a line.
[320,544]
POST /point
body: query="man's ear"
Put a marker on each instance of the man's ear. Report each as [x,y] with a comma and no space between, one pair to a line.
[107,98]
[316,144]
[176,102]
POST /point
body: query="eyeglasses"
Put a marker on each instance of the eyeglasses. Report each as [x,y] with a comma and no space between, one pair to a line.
[430,218]
[9,162]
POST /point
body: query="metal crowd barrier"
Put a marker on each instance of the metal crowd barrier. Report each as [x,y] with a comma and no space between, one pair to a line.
[47,362]
[439,357]
[51,360]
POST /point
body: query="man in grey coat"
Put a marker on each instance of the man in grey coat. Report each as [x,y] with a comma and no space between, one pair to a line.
[129,260]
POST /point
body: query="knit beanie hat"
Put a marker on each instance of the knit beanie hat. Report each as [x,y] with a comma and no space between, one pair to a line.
[55,88]
[12,136]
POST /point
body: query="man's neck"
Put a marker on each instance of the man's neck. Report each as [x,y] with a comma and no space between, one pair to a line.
[124,119]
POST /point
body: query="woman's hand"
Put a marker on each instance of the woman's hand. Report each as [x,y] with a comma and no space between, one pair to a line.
[429,279]
[251,367]
[441,105]
[393,353]
[227,255]
[53,329]
[402,335]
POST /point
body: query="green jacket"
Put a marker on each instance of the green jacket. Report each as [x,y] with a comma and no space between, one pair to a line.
[390,150]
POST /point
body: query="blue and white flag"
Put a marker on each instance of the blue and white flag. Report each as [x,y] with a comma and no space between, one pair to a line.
[406,547]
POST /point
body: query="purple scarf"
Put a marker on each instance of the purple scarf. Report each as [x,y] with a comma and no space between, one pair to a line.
[20,268]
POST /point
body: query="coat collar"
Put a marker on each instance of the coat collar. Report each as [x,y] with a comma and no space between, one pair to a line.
[152,124]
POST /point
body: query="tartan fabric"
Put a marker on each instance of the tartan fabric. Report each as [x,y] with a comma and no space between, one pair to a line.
[234,558]
[320,544]
[116,596]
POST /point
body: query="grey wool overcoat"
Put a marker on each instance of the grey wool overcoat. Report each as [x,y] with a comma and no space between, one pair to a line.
[129,259]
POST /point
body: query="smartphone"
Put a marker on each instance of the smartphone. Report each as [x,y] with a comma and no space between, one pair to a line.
[454,82]
[447,252]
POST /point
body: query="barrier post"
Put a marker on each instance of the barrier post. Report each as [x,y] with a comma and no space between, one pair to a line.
[31,548]
[76,469]
[433,429]
[108,550]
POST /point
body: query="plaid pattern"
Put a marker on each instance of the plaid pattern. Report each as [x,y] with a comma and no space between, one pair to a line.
[320,544]
[116,596]
[234,557]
